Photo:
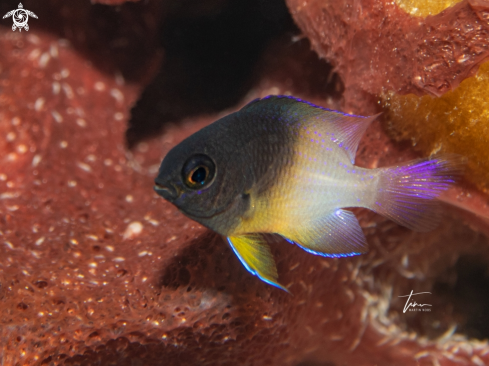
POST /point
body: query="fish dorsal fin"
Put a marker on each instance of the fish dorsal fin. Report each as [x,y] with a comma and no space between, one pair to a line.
[344,129]
[254,253]
[349,130]
[336,235]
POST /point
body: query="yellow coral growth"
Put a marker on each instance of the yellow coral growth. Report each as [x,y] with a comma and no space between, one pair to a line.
[457,122]
[424,8]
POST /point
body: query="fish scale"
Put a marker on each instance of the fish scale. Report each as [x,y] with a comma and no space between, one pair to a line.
[317,180]
[284,166]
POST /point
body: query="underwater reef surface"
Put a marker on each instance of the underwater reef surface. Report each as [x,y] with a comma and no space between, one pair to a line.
[423,59]
[95,268]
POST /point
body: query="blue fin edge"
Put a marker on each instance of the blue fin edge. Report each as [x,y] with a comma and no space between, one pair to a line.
[308,103]
[327,255]
[252,271]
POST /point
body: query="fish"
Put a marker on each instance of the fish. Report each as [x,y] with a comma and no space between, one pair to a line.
[284,167]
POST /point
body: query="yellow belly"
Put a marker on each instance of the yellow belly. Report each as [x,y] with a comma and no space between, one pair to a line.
[310,186]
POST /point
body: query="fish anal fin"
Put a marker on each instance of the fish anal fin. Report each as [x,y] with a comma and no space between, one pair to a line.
[254,253]
[336,235]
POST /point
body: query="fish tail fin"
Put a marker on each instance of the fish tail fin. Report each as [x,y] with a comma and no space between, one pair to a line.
[406,193]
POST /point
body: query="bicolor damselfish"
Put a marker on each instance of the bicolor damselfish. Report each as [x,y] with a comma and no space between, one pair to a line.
[284,166]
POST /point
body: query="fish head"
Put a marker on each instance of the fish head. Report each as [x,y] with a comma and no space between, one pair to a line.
[206,179]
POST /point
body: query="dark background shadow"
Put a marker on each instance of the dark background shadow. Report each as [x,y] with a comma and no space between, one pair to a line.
[196,57]
[122,39]
[209,62]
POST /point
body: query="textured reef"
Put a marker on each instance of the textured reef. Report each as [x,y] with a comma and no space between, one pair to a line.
[97,269]
[420,53]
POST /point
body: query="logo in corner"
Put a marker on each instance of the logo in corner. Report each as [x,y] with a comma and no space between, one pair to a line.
[20,17]
[414,306]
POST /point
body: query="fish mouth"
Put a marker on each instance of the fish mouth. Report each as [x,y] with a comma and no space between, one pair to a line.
[168,192]
[171,193]
[198,217]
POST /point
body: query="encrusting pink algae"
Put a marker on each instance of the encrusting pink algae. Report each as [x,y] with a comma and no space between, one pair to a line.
[95,268]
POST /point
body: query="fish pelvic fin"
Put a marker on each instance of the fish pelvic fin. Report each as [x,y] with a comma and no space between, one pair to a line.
[407,193]
[336,235]
[254,253]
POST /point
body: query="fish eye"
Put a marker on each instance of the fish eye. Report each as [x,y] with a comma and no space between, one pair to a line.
[198,171]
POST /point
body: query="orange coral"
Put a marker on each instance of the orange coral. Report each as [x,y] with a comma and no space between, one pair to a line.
[456,122]
[425,7]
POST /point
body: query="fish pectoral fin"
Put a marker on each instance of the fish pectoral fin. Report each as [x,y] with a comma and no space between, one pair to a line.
[254,253]
[336,235]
